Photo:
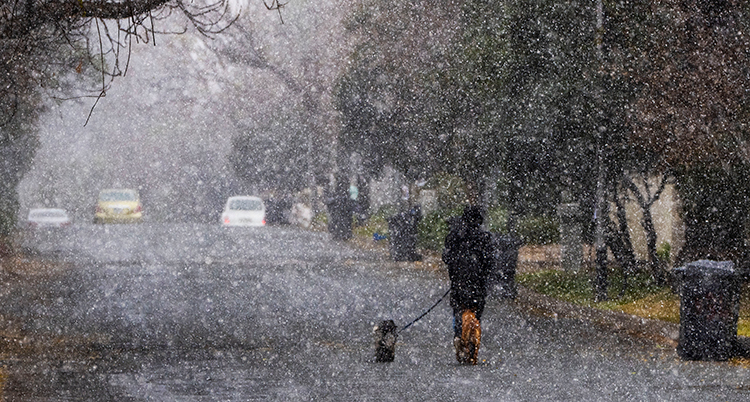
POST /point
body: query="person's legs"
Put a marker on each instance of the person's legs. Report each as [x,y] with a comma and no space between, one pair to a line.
[457,322]
[478,308]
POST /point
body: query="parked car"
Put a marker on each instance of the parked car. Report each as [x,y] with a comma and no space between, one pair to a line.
[244,211]
[118,206]
[48,218]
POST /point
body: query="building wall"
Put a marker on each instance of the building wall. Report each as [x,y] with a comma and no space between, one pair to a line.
[666,216]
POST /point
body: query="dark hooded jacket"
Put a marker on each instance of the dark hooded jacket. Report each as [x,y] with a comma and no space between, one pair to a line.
[470,256]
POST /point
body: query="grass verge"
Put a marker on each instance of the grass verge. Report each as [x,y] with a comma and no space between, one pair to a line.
[640,298]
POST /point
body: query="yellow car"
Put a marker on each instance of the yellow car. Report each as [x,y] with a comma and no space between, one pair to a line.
[118,206]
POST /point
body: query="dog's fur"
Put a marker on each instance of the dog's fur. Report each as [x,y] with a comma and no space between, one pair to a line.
[385,341]
[467,347]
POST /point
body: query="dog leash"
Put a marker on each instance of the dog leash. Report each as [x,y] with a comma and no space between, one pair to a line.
[425,313]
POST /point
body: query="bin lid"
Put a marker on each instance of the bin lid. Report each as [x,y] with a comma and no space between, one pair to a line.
[506,240]
[707,267]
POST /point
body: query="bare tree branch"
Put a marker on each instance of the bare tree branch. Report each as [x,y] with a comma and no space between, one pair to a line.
[45,41]
[275,5]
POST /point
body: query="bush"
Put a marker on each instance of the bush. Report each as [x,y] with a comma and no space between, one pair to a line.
[532,230]
[539,230]
[450,190]
[497,220]
[319,222]
[433,228]
[579,287]
[663,252]
[377,223]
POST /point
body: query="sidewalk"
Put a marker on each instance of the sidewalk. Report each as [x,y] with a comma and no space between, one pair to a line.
[663,333]
[532,259]
[537,258]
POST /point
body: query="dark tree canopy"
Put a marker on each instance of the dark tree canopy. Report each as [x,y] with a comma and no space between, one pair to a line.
[691,116]
[392,98]
[694,105]
[490,87]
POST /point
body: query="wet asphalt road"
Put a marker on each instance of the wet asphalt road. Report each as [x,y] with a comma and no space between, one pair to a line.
[189,312]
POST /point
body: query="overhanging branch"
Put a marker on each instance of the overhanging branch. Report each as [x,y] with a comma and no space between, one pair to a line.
[17,22]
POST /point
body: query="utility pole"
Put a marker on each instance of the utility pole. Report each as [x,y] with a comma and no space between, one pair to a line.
[601,209]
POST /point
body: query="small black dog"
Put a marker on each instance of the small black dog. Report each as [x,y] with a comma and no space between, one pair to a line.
[385,341]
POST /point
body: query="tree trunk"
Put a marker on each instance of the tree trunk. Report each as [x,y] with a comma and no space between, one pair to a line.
[363,184]
[601,209]
[647,222]
[600,215]
[653,258]
[620,244]
[474,190]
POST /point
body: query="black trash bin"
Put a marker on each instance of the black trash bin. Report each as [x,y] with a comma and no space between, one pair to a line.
[278,210]
[340,213]
[709,309]
[403,235]
[503,278]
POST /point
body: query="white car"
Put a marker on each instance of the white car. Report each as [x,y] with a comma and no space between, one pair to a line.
[48,218]
[244,211]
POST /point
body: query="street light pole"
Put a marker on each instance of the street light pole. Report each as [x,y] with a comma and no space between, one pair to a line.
[601,209]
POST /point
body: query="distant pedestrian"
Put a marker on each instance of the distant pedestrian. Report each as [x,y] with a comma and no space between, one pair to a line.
[469,254]
[340,211]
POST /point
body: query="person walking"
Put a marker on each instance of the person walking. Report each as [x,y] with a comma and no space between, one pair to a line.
[470,257]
